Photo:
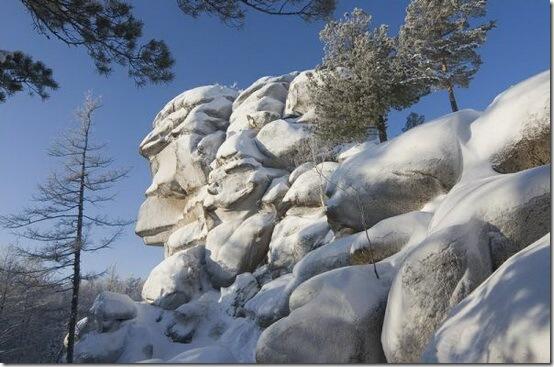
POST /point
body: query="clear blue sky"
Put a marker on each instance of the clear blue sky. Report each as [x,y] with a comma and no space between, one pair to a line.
[206,52]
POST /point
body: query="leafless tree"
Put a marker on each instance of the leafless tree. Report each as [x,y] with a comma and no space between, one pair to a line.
[66,211]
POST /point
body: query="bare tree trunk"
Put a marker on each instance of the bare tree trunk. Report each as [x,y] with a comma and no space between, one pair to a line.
[382,128]
[77,256]
[452,98]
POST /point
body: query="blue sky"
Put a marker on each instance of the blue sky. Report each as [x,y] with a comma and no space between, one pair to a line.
[206,52]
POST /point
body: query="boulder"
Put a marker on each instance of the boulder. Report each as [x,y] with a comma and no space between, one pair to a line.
[234,297]
[240,145]
[176,280]
[286,143]
[335,317]
[239,185]
[294,236]
[298,171]
[276,192]
[298,100]
[190,235]
[270,303]
[522,139]
[309,188]
[434,277]
[505,320]
[110,307]
[259,104]
[514,208]
[389,236]
[399,176]
[244,248]
[219,103]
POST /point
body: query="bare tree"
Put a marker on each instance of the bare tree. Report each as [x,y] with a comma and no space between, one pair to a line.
[66,209]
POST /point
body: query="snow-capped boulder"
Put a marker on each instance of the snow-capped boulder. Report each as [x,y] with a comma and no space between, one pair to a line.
[239,185]
[242,251]
[433,278]
[110,307]
[298,171]
[276,192]
[240,145]
[94,347]
[335,317]
[260,103]
[219,104]
[399,176]
[294,236]
[522,140]
[506,319]
[389,236]
[309,188]
[285,142]
[176,280]
[513,208]
[271,302]
[298,100]
[234,297]
[189,235]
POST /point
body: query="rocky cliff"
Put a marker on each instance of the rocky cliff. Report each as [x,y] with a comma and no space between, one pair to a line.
[277,250]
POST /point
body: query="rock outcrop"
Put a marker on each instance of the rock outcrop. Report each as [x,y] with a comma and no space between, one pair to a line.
[277,252]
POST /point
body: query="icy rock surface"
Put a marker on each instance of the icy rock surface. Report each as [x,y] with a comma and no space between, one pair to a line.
[266,245]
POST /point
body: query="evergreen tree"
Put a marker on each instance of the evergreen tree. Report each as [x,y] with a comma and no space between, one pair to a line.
[413,120]
[18,71]
[360,79]
[441,44]
[233,12]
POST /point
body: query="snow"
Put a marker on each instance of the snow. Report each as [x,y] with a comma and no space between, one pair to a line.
[110,306]
[176,280]
[506,319]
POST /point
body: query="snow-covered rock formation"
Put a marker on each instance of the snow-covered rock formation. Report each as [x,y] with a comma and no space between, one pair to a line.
[433,246]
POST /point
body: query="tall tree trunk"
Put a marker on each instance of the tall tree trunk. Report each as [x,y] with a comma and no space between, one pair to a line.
[382,128]
[450,89]
[452,99]
[77,255]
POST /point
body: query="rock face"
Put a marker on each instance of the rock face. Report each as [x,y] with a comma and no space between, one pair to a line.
[487,326]
[279,252]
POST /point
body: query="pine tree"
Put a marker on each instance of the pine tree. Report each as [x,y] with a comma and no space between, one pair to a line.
[66,211]
[413,120]
[18,72]
[360,79]
[233,12]
[441,44]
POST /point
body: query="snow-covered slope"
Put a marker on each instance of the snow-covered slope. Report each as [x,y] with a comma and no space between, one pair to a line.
[266,254]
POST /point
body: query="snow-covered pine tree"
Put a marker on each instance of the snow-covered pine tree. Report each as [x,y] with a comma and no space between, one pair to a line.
[359,80]
[441,44]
